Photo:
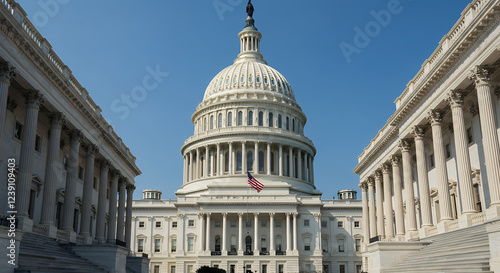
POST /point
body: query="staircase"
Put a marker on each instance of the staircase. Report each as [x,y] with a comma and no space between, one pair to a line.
[40,254]
[463,250]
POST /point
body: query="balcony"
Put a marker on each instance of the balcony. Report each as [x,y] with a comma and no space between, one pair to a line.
[264,252]
[215,253]
[248,253]
[232,253]
[280,252]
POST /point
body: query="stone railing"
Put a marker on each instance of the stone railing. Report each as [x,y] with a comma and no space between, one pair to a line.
[61,234]
[478,218]
[432,230]
[40,229]
[80,239]
[453,225]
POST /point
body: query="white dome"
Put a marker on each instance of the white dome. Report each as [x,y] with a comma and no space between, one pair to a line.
[249,76]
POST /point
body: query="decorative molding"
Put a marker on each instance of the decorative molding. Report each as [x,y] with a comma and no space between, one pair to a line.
[435,116]
[7,72]
[11,104]
[405,145]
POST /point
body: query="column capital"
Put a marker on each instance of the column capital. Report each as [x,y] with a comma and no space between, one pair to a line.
[288,214]
[255,214]
[386,168]
[363,186]
[405,145]
[76,135]
[92,149]
[224,214]
[57,119]
[456,98]
[378,174]
[395,160]
[116,173]
[496,91]
[131,187]
[281,145]
[150,218]
[271,214]
[240,214]
[295,214]
[122,181]
[180,216]
[201,215]
[243,142]
[208,214]
[33,98]
[7,72]
[371,182]
[105,163]
[435,116]
[418,132]
[317,215]
[481,74]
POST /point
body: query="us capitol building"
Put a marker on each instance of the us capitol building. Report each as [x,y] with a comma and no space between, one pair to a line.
[249,121]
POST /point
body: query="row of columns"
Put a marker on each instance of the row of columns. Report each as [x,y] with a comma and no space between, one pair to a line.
[373,214]
[54,169]
[291,236]
[195,168]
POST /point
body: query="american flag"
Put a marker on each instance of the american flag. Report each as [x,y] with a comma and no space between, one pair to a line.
[254,183]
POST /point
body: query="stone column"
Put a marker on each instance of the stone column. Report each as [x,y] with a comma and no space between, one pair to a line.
[87,192]
[191,178]
[304,167]
[256,159]
[380,204]
[25,175]
[185,173]
[290,154]
[198,165]
[128,218]
[280,160]
[201,219]
[366,225]
[207,244]
[271,234]
[244,158]
[115,176]
[436,117]
[371,200]
[224,233]
[317,217]
[268,158]
[240,233]
[310,169]
[181,235]
[295,215]
[411,218]
[121,209]
[53,170]
[7,73]
[389,219]
[299,164]
[398,195]
[288,234]
[456,100]
[218,160]
[481,77]
[256,233]
[71,181]
[101,203]
[205,163]
[212,163]
[423,180]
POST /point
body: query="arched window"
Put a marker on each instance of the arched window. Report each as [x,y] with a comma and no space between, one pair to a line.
[220,121]
[233,244]
[248,244]
[263,244]
[287,123]
[271,122]
[226,165]
[272,162]
[261,161]
[279,121]
[238,163]
[293,125]
[230,119]
[240,118]
[250,118]
[278,243]
[205,124]
[250,161]
[261,118]
[217,243]
[211,122]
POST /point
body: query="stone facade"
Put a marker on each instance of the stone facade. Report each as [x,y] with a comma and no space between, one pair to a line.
[435,165]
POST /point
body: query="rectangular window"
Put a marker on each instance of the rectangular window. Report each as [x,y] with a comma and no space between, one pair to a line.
[307,243]
[342,268]
[324,224]
[278,224]
[80,173]
[358,245]
[38,143]
[340,224]
[190,223]
[173,245]
[233,224]
[95,183]
[157,245]
[174,224]
[470,137]
[281,268]
[156,269]
[172,269]
[248,224]
[232,268]
[326,269]
[448,150]
[356,224]
[217,224]
[306,223]
[190,269]
[431,161]
[190,244]
[264,268]
[140,245]
[358,268]
[324,245]
[263,224]
[141,224]
[18,130]
[158,224]
[341,245]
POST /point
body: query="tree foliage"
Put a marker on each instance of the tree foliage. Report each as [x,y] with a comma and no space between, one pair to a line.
[207,269]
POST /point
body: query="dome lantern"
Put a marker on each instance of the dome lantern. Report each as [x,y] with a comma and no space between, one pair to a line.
[250,40]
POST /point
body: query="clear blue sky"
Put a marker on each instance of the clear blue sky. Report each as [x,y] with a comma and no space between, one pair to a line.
[109,45]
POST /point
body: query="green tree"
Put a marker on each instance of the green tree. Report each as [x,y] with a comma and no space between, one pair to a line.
[207,269]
